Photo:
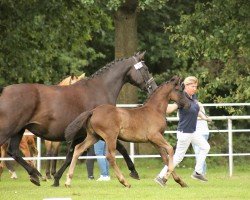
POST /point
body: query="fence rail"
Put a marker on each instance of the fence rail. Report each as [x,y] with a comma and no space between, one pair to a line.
[229,130]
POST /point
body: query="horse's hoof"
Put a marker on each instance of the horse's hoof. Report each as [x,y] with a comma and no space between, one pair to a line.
[55,184]
[1,170]
[134,175]
[49,177]
[67,185]
[35,180]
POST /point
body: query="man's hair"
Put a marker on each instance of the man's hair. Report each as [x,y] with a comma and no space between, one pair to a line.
[190,80]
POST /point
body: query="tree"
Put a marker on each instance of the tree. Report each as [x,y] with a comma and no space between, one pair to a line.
[42,41]
[213,44]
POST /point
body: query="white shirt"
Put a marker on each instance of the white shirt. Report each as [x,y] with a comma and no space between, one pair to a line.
[202,127]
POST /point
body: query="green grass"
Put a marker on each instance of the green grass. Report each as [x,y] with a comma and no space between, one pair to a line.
[219,186]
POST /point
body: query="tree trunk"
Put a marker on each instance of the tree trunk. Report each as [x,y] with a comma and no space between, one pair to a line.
[125,20]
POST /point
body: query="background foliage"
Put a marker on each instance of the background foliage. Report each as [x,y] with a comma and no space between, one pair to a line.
[43,41]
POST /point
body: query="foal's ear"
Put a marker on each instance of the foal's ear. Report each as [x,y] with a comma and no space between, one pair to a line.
[175,80]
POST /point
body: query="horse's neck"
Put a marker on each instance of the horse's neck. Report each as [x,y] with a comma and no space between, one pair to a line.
[111,81]
[159,100]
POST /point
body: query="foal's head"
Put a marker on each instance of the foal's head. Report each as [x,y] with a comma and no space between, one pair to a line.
[177,94]
[139,75]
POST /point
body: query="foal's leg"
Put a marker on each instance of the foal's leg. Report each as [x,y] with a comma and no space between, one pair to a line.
[130,164]
[14,152]
[158,140]
[177,178]
[69,156]
[79,149]
[111,147]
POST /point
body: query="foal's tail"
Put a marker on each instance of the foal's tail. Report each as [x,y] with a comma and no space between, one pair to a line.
[80,122]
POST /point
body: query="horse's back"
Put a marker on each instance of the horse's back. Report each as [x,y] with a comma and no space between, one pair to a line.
[18,104]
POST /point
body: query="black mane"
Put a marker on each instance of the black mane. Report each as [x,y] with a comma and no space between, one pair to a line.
[105,68]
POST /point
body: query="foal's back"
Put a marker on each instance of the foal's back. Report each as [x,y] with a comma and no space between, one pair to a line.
[135,125]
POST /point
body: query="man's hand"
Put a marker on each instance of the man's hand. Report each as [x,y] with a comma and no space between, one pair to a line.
[209,120]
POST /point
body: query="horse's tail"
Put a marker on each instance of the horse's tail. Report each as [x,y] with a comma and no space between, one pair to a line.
[80,122]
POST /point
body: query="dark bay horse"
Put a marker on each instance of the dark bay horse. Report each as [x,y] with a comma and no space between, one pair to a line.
[46,111]
[52,147]
[142,124]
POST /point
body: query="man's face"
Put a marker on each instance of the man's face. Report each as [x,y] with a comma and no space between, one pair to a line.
[191,88]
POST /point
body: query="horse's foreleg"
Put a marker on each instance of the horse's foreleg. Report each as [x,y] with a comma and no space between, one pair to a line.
[79,149]
[69,156]
[111,147]
[133,173]
[56,146]
[14,152]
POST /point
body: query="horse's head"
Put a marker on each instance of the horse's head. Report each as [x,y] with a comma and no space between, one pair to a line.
[177,94]
[139,75]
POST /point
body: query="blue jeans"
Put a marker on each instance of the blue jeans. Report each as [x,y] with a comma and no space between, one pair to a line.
[100,150]
[196,151]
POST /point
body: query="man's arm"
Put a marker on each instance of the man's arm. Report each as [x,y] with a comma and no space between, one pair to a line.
[171,108]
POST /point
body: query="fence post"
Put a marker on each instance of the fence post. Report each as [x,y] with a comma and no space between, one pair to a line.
[132,151]
[39,149]
[230,146]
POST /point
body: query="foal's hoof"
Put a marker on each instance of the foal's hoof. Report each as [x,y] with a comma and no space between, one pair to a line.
[35,180]
[184,185]
[134,175]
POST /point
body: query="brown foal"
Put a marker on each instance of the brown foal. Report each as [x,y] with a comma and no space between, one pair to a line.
[142,124]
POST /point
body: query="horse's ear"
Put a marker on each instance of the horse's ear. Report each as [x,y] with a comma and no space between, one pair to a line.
[141,56]
[137,54]
[81,76]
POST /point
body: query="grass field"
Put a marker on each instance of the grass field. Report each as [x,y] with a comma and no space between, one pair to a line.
[219,186]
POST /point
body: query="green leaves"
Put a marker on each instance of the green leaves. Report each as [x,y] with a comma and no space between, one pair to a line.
[44,41]
[214,39]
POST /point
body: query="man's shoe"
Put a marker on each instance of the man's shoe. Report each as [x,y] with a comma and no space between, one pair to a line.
[160,181]
[199,177]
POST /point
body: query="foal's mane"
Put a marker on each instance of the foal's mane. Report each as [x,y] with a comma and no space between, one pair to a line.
[158,88]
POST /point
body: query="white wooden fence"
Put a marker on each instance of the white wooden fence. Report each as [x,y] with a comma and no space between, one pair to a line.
[229,130]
